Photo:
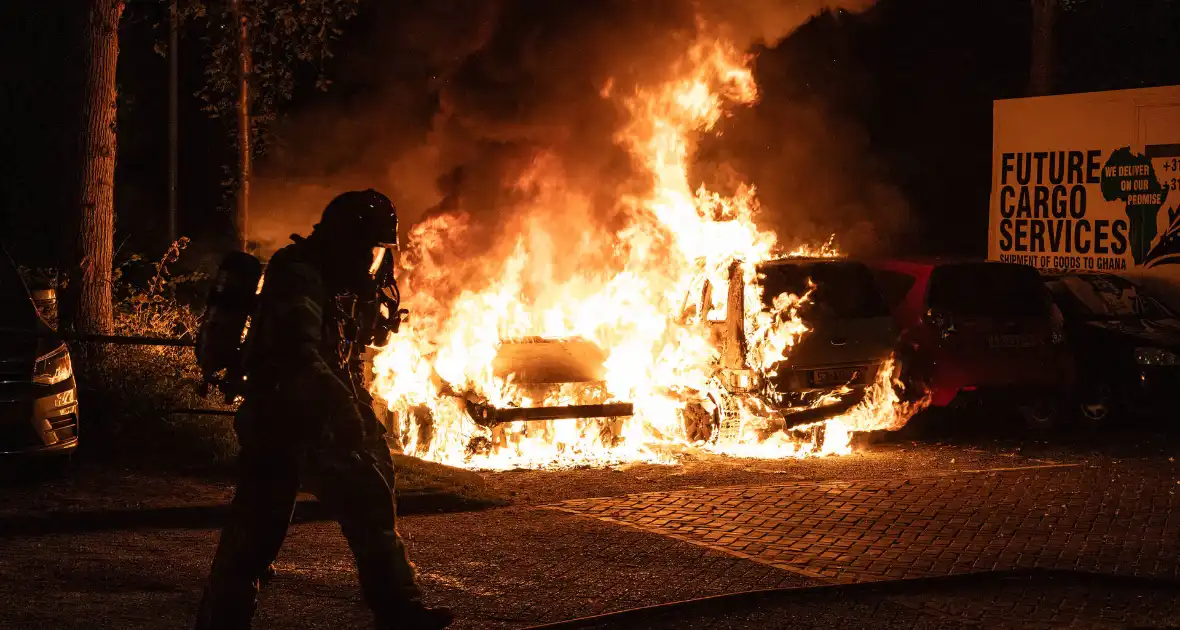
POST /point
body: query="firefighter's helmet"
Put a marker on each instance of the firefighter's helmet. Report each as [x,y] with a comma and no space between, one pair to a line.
[361,217]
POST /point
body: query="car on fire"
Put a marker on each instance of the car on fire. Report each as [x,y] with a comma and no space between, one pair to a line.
[979,333]
[850,335]
[38,398]
[1126,343]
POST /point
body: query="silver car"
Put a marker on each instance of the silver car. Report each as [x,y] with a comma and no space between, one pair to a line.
[38,397]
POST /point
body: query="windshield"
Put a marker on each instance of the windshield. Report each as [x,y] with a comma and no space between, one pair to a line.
[1101,297]
[988,290]
[16,309]
[842,289]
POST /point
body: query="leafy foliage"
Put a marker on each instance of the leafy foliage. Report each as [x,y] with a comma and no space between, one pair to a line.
[150,307]
[127,391]
[290,41]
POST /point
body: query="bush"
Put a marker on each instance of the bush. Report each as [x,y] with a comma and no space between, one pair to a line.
[126,392]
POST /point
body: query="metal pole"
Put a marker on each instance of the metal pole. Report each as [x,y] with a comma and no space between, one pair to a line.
[127,340]
[173,109]
[243,197]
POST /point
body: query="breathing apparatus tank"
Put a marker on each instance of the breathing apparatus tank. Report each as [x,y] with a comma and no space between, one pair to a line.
[228,307]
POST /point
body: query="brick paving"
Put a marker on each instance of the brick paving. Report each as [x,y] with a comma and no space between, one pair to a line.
[519,566]
[1069,517]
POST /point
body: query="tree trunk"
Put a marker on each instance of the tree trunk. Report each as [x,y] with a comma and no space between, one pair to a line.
[173,116]
[87,307]
[1040,81]
[242,211]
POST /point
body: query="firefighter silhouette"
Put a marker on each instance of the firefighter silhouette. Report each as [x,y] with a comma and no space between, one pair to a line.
[306,417]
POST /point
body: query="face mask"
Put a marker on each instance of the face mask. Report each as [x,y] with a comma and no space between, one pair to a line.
[383,259]
[388,316]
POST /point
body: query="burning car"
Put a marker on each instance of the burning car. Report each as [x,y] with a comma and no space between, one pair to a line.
[549,371]
[551,347]
[849,336]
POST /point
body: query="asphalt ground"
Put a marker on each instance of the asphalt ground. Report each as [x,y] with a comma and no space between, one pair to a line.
[554,555]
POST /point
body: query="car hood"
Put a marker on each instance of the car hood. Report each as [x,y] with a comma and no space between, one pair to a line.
[1158,332]
[24,345]
[538,360]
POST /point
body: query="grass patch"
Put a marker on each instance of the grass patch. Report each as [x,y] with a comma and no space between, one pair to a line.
[424,486]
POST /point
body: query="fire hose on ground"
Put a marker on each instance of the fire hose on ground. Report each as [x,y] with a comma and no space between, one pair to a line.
[743,600]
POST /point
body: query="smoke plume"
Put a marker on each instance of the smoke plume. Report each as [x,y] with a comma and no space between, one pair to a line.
[472,105]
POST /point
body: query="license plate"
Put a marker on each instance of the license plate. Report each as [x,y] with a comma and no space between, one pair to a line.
[842,376]
[1012,341]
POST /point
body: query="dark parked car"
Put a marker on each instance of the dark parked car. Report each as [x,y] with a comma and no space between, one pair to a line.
[979,332]
[38,399]
[1127,343]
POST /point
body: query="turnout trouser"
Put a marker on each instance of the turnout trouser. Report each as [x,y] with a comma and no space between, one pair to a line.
[357,489]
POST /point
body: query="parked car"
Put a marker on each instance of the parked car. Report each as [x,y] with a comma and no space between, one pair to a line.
[851,336]
[1126,343]
[38,398]
[979,332]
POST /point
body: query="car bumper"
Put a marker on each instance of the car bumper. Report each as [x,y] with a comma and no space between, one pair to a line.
[799,401]
[1153,388]
[798,380]
[956,382]
[45,422]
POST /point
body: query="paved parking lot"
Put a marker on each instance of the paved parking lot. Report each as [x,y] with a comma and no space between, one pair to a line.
[590,542]
[1093,518]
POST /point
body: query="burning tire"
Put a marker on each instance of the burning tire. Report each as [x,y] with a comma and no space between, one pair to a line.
[728,418]
[812,433]
[699,422]
[907,385]
[715,419]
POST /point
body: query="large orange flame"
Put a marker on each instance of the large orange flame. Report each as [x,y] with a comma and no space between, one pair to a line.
[622,291]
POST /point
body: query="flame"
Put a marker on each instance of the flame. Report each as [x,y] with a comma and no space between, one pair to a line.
[558,276]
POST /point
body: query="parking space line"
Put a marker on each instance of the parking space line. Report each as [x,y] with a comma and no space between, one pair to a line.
[846,531]
[721,548]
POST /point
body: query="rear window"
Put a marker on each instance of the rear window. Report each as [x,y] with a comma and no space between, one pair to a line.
[988,289]
[1102,297]
[842,289]
[894,285]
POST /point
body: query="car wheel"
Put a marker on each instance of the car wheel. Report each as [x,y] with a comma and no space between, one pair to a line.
[1041,414]
[906,385]
[727,418]
[1097,404]
[698,422]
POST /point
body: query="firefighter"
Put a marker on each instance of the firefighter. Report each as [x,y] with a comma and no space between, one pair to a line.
[305,416]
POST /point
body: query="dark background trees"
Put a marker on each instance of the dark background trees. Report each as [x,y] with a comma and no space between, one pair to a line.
[913,80]
[66,183]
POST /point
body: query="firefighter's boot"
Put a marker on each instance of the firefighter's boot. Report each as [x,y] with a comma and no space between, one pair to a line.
[413,615]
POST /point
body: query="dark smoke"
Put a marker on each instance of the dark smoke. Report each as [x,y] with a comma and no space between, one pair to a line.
[453,101]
